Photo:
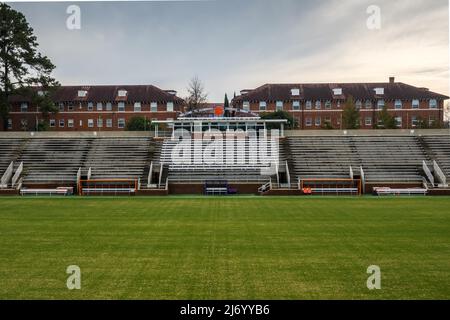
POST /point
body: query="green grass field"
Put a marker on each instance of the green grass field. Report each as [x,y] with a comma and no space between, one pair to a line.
[225,248]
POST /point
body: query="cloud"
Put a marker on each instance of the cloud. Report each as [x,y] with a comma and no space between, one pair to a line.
[234,44]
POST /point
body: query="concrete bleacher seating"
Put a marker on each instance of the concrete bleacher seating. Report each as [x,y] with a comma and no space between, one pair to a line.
[389,159]
[322,157]
[52,160]
[242,169]
[439,149]
[118,158]
[10,149]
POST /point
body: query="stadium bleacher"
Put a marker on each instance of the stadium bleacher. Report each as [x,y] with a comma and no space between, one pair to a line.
[118,158]
[390,158]
[10,149]
[387,160]
[439,148]
[244,168]
[322,157]
[52,160]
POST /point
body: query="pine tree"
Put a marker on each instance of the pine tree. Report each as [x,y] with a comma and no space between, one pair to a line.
[350,115]
[387,121]
[21,65]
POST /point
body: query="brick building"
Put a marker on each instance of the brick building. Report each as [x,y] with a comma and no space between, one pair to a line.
[314,105]
[97,108]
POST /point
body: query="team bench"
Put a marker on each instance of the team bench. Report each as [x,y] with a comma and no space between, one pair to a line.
[386,191]
[60,191]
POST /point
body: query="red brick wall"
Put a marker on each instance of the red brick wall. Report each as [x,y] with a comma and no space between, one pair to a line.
[334,114]
[76,114]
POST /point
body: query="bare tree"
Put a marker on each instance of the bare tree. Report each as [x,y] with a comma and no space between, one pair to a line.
[197,97]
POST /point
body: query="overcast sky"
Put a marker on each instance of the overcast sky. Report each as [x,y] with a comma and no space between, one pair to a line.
[237,44]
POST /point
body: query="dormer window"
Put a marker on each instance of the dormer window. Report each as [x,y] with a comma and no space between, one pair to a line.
[246,105]
[41,93]
[379,91]
[358,104]
[380,104]
[122,93]
[295,92]
[415,104]
[337,91]
[82,93]
[169,107]
[398,104]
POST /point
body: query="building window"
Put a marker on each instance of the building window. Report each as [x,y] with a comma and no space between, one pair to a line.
[61,123]
[70,123]
[318,121]
[137,107]
[279,105]
[414,121]
[121,123]
[61,107]
[52,123]
[90,106]
[415,104]
[337,91]
[99,122]
[262,106]
[433,104]
[82,93]
[358,104]
[10,124]
[23,107]
[153,107]
[368,104]
[379,91]
[121,107]
[398,121]
[99,106]
[318,104]
[81,123]
[308,104]
[108,106]
[109,123]
[380,104]
[70,106]
[90,123]
[122,93]
[295,92]
[328,104]
[296,105]
[308,122]
[368,121]
[246,105]
[398,104]
[327,120]
[169,107]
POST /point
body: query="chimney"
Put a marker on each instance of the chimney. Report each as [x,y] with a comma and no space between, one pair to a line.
[391,80]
